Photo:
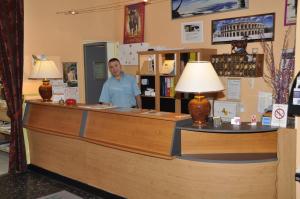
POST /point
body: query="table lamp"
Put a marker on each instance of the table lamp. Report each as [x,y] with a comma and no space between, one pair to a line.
[199,77]
[45,70]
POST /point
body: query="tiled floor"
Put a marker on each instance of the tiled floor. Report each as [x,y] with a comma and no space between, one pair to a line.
[3,162]
[31,185]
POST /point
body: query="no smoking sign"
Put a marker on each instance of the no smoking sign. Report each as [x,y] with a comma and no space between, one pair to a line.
[279,115]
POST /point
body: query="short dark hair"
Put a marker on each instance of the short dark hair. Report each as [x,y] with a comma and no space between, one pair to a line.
[113,60]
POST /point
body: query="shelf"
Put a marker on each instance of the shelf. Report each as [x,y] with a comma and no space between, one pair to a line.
[231,157]
[238,65]
[147,74]
[4,147]
[166,75]
[147,96]
[165,97]
[160,71]
[5,132]
[5,128]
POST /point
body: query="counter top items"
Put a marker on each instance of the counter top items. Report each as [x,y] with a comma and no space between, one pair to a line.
[199,77]
[70,101]
[225,127]
[45,70]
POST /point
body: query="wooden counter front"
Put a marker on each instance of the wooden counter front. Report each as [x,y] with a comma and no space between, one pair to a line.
[136,156]
[139,131]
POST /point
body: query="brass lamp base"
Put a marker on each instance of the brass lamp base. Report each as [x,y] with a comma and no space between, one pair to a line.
[199,108]
[45,91]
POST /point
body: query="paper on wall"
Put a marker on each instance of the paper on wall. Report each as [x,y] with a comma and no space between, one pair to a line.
[264,101]
[128,53]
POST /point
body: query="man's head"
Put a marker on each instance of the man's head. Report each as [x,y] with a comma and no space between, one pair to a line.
[114,67]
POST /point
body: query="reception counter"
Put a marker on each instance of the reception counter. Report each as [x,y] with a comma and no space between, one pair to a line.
[146,154]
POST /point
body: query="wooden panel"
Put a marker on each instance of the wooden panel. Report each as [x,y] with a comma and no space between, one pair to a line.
[54,119]
[142,134]
[287,163]
[206,143]
[137,176]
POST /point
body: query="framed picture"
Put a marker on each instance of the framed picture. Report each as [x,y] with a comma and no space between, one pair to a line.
[134,23]
[192,32]
[70,73]
[250,28]
[290,12]
[188,8]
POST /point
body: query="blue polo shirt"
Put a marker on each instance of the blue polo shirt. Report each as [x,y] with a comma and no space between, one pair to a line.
[120,93]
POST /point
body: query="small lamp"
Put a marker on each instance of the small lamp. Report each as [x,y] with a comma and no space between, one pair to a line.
[45,70]
[199,77]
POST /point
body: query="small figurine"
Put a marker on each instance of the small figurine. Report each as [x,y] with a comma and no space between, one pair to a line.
[61,101]
[236,121]
[239,46]
[253,119]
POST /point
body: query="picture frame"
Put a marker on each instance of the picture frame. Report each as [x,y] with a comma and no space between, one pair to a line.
[251,28]
[188,8]
[134,19]
[192,32]
[70,74]
[290,14]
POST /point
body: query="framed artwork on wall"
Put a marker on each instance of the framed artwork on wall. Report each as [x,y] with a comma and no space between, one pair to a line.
[192,32]
[188,8]
[251,28]
[134,23]
[70,74]
[290,15]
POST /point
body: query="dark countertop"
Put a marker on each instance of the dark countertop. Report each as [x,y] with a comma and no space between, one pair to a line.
[245,127]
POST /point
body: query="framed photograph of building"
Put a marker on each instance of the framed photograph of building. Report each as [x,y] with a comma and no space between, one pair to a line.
[188,8]
[134,19]
[290,12]
[251,28]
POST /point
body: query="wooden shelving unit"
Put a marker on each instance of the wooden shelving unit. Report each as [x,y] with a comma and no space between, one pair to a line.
[159,72]
[4,128]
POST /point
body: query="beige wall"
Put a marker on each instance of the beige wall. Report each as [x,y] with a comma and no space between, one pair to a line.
[62,36]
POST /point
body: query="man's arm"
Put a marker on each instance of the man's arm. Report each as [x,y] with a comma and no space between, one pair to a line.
[138,101]
[104,97]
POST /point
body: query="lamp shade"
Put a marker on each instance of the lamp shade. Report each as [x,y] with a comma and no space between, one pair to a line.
[199,77]
[45,69]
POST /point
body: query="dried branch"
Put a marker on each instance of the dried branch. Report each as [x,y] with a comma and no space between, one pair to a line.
[279,78]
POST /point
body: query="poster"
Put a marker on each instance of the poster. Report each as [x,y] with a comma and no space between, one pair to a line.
[192,32]
[70,74]
[134,23]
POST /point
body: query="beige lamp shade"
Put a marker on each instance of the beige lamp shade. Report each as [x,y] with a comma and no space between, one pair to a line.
[199,77]
[45,69]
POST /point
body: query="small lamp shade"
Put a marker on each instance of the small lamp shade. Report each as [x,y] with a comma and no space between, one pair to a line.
[45,70]
[199,77]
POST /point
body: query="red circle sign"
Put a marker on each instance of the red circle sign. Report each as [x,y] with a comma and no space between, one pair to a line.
[279,113]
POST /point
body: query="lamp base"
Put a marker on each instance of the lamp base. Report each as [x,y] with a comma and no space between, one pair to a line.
[45,91]
[199,108]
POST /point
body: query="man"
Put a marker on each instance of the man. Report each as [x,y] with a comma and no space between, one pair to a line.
[121,89]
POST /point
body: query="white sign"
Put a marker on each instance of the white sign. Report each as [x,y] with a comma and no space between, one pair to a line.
[279,115]
[233,88]
[264,101]
[192,32]
[128,53]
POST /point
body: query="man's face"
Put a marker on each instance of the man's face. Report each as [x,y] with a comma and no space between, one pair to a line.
[115,68]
